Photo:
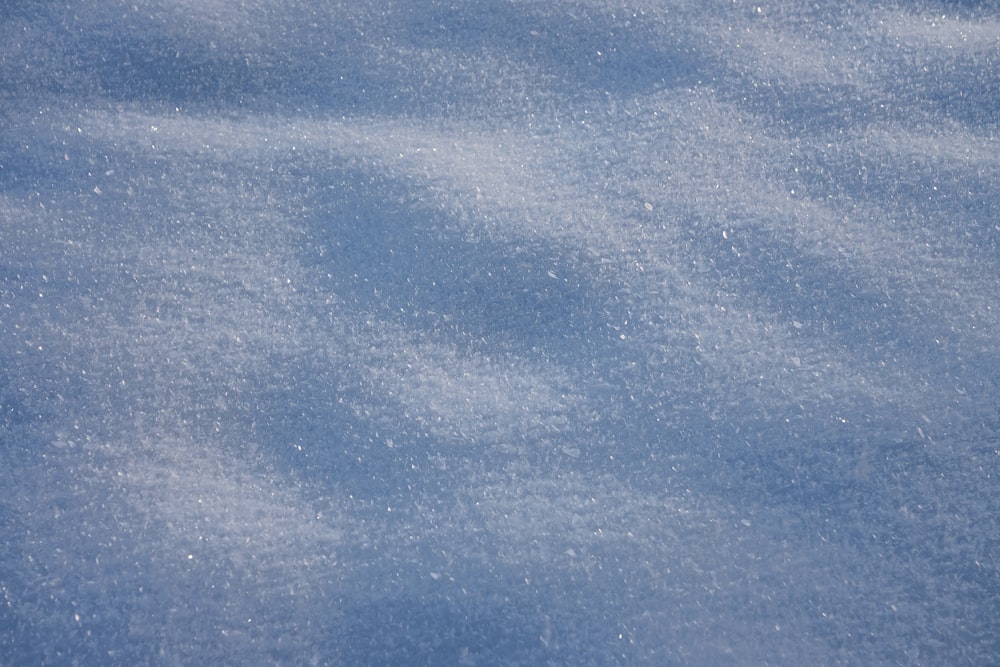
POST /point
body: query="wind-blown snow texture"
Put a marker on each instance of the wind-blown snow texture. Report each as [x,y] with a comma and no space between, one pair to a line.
[501,332]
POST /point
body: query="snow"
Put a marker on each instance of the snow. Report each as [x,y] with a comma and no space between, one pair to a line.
[494,333]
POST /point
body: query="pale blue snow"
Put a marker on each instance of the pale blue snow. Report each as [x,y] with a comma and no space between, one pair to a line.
[500,332]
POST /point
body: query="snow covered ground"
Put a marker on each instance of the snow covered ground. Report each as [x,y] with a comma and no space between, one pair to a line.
[499,332]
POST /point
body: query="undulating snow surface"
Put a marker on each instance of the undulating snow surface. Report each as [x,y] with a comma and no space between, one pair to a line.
[495,333]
